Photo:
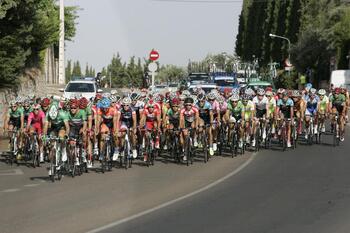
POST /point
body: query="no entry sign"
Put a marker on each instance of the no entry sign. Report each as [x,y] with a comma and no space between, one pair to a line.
[154,55]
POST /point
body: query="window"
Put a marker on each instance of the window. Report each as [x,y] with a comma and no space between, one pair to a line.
[80,87]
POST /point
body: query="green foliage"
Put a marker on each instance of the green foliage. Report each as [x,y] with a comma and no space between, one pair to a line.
[77,70]
[287,80]
[170,74]
[68,73]
[27,27]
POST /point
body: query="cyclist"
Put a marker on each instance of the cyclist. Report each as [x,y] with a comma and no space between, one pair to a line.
[205,120]
[299,109]
[216,111]
[311,111]
[171,120]
[107,125]
[189,119]
[151,120]
[35,123]
[322,108]
[248,116]
[15,121]
[27,109]
[261,105]
[57,124]
[234,115]
[45,104]
[337,105]
[285,111]
[271,109]
[127,119]
[78,125]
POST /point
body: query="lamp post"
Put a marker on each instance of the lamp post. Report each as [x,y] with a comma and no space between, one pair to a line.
[61,67]
[284,38]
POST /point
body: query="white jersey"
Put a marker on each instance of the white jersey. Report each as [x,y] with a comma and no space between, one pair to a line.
[260,104]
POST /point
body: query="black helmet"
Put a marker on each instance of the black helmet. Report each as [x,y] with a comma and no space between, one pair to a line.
[188,100]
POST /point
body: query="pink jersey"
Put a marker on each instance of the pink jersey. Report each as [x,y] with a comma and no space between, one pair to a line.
[36,119]
[189,115]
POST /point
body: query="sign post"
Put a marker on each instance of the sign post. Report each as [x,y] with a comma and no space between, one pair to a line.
[153,67]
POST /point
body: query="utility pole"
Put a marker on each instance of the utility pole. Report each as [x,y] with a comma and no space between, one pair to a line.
[61,68]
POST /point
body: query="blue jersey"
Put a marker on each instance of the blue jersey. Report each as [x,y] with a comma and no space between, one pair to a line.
[204,111]
[285,106]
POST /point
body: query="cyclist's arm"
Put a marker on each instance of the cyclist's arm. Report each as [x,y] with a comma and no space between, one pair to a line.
[134,121]
[211,116]
[143,119]
[22,121]
[159,120]
[291,112]
[66,124]
[182,121]
[197,119]
[115,123]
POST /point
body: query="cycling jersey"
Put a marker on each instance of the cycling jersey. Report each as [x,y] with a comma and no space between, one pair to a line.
[107,116]
[338,102]
[174,118]
[26,113]
[15,117]
[126,117]
[58,122]
[138,107]
[284,107]
[76,122]
[236,111]
[204,112]
[189,115]
[323,104]
[248,110]
[151,117]
[271,106]
[311,106]
[36,121]
[260,106]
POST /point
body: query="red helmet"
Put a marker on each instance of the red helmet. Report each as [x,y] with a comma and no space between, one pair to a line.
[83,102]
[268,89]
[227,90]
[98,96]
[337,90]
[175,102]
[45,102]
[73,103]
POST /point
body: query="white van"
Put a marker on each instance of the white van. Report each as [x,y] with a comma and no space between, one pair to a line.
[341,78]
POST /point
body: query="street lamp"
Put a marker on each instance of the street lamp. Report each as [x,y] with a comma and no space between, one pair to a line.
[285,38]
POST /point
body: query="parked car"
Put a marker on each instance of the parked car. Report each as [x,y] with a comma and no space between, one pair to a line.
[80,88]
[207,87]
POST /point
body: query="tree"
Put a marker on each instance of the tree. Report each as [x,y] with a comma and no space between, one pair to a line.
[87,71]
[76,70]
[68,71]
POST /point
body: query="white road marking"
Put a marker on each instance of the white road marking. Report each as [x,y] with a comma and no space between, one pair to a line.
[31,185]
[10,190]
[11,172]
[132,217]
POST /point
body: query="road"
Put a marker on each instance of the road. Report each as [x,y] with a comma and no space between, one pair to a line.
[305,190]
[31,203]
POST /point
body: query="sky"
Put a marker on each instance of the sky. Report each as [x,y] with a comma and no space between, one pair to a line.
[179,31]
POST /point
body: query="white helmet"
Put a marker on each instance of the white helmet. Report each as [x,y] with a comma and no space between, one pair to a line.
[322,92]
[126,101]
[234,97]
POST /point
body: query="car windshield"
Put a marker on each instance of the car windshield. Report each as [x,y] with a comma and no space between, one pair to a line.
[173,85]
[199,77]
[80,87]
[225,83]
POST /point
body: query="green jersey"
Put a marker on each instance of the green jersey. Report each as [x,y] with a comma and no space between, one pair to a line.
[237,110]
[77,119]
[15,114]
[337,100]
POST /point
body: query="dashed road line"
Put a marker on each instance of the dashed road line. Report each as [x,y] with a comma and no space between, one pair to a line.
[31,185]
[11,172]
[10,190]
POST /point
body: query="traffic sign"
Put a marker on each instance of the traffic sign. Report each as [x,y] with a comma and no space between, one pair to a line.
[152,67]
[154,55]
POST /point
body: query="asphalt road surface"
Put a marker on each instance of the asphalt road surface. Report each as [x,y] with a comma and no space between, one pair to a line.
[303,190]
[29,202]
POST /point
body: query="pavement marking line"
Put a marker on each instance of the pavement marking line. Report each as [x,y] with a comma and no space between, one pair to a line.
[168,203]
[10,190]
[31,185]
[12,172]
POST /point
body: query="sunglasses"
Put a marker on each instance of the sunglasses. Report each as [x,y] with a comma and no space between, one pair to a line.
[73,108]
[125,105]
[36,109]
[235,101]
[188,104]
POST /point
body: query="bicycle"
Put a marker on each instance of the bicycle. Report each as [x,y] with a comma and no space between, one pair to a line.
[203,140]
[335,126]
[34,152]
[188,147]
[74,156]
[13,147]
[56,164]
[234,139]
[150,150]
[105,157]
[321,127]
[174,145]
[126,159]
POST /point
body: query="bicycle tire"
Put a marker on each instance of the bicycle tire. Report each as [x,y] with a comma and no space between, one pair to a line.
[52,164]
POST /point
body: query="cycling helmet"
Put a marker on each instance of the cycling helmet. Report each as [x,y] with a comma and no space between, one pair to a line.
[261,91]
[104,103]
[189,100]
[135,96]
[281,91]
[295,93]
[113,98]
[13,103]
[175,102]
[234,97]
[83,103]
[246,97]
[322,92]
[268,93]
[308,86]
[73,103]
[201,97]
[249,91]
[126,101]
[337,90]
[114,92]
[45,102]
[182,97]
[186,93]
[313,91]
[211,96]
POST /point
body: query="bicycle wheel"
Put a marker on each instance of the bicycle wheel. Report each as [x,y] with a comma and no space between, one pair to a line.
[257,139]
[284,138]
[52,167]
